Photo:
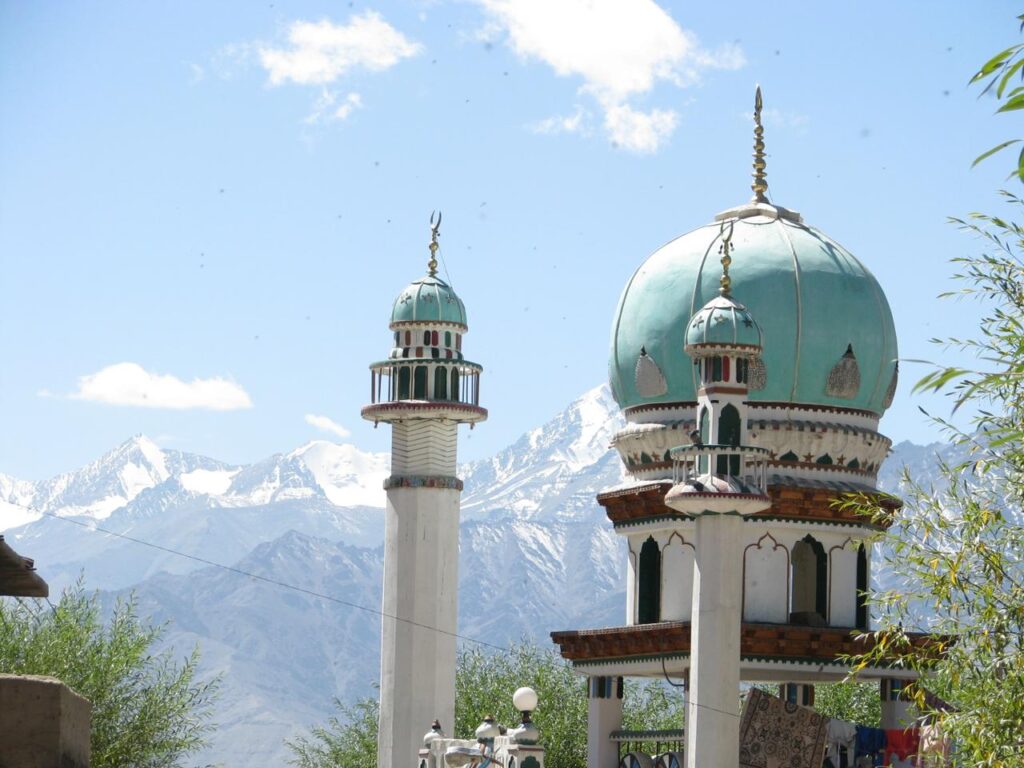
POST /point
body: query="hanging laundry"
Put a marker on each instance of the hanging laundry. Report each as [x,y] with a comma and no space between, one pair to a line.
[840,734]
[870,743]
[901,743]
[933,747]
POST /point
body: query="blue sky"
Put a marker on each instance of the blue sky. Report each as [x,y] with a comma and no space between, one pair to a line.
[216,203]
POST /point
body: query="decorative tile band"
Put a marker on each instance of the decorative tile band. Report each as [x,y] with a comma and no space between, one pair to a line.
[423,481]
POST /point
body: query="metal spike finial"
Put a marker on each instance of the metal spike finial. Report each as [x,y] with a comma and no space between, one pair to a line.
[760,185]
[725,282]
[435,233]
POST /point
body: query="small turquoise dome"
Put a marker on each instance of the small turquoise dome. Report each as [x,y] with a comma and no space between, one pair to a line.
[828,334]
[723,320]
[428,300]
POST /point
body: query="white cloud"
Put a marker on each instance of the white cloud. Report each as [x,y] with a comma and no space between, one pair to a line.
[620,49]
[327,107]
[642,132]
[352,102]
[131,384]
[577,122]
[320,52]
[327,425]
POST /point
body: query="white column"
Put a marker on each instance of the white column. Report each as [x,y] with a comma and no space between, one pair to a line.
[712,734]
[420,599]
[604,715]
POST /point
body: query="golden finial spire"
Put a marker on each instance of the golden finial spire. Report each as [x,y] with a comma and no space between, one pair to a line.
[435,232]
[725,283]
[760,185]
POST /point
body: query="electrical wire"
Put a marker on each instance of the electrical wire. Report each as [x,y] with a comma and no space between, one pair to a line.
[330,598]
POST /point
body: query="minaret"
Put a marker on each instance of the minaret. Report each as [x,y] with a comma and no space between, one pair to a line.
[718,480]
[425,389]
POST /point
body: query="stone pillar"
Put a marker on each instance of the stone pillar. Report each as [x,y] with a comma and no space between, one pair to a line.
[421,551]
[715,644]
[43,723]
[896,708]
[604,715]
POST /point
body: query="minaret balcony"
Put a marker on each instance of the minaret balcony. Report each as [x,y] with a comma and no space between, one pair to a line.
[719,479]
[425,388]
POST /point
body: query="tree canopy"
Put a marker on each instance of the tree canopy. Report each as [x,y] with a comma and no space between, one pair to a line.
[958,547]
[484,683]
[147,710]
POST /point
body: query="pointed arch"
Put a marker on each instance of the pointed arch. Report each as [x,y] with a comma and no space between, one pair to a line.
[862,587]
[440,383]
[809,593]
[766,581]
[729,434]
[419,383]
[649,583]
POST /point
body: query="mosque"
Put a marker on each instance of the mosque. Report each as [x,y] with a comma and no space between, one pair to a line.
[753,359]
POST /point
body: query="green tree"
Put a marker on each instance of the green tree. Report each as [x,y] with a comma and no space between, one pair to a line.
[348,740]
[147,711]
[958,548]
[1000,75]
[484,684]
[849,700]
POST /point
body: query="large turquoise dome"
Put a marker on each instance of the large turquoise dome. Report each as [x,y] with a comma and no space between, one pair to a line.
[428,300]
[828,332]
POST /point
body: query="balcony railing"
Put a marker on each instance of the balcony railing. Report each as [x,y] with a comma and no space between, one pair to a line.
[433,380]
[747,464]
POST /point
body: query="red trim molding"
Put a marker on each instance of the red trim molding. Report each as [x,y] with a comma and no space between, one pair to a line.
[776,641]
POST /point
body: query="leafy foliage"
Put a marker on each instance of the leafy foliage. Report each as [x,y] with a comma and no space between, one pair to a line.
[849,700]
[484,683]
[147,712]
[348,740]
[959,549]
[999,74]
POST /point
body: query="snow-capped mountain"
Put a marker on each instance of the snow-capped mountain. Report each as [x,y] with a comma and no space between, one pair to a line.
[552,472]
[106,484]
[536,554]
[188,503]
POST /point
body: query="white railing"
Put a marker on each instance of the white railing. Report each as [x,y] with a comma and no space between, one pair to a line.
[746,463]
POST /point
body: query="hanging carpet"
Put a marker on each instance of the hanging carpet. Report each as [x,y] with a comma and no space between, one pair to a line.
[776,734]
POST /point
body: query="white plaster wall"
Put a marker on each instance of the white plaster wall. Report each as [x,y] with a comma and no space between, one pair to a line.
[842,577]
[766,582]
[424,447]
[676,580]
[631,584]
[420,586]
[804,577]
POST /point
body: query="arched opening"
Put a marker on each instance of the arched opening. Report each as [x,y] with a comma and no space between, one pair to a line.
[455,384]
[705,437]
[809,598]
[419,384]
[742,370]
[403,383]
[729,434]
[440,383]
[649,583]
[716,368]
[862,588]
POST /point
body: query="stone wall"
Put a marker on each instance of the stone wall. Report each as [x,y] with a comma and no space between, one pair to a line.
[43,724]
